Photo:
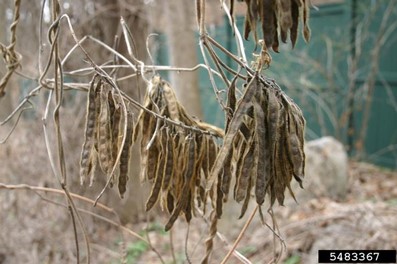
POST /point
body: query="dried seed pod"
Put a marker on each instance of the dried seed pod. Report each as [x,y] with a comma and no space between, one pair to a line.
[95,150]
[274,14]
[160,170]
[294,125]
[247,26]
[264,172]
[282,171]
[210,154]
[144,165]
[272,119]
[154,156]
[245,131]
[92,165]
[147,123]
[214,149]
[198,181]
[169,171]
[245,177]
[296,141]
[183,199]
[275,36]
[89,136]
[239,164]
[242,107]
[191,159]
[170,202]
[250,22]
[231,102]
[295,22]
[306,29]
[205,159]
[180,166]
[143,117]
[278,184]
[104,135]
[172,102]
[219,197]
[285,18]
[268,18]
[112,107]
[155,189]
[148,156]
[253,176]
[125,154]
[285,170]
[247,197]
[200,196]
[299,125]
[115,120]
[187,210]
[200,153]
[296,155]
[226,176]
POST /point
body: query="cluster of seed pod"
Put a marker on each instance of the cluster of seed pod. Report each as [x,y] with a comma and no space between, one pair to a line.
[103,135]
[275,16]
[262,147]
[264,140]
[176,160]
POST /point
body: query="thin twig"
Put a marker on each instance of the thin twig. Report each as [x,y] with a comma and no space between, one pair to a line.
[52,190]
[34,92]
[172,248]
[127,38]
[11,58]
[58,191]
[186,244]
[212,80]
[221,63]
[216,60]
[150,242]
[58,100]
[90,70]
[239,39]
[2,141]
[236,253]
[240,236]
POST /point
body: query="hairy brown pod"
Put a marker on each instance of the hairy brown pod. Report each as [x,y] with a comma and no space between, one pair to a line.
[125,154]
[160,170]
[263,173]
[183,201]
[243,105]
[89,137]
[104,136]
[245,176]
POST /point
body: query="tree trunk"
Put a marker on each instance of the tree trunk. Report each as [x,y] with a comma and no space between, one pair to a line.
[182,46]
